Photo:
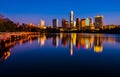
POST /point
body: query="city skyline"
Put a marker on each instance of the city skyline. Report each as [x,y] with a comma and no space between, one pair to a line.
[31,11]
[59,38]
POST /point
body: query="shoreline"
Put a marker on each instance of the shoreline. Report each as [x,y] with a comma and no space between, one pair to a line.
[65,32]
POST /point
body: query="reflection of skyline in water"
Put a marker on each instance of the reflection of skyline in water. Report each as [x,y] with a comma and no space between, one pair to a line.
[84,41]
[7,45]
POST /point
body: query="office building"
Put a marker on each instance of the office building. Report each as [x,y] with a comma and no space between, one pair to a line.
[99,22]
[74,24]
[82,23]
[91,22]
[92,27]
[42,23]
[71,19]
[65,24]
[87,22]
[55,23]
[77,22]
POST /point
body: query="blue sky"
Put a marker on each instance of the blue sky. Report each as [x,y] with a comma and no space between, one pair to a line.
[26,11]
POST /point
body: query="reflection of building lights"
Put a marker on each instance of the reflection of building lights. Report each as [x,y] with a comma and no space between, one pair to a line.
[73,37]
[55,41]
[78,46]
[98,49]
[64,40]
[30,40]
[42,40]
[87,43]
[61,35]
[91,40]
[42,43]
[6,54]
[98,44]
[83,42]
[38,40]
[71,47]
[71,52]
[71,44]
[21,42]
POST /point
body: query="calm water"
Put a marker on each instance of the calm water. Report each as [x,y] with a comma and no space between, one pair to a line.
[62,54]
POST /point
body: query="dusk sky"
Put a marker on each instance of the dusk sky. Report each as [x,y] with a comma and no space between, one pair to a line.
[27,11]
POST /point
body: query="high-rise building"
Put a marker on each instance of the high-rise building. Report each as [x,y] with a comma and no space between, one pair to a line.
[99,22]
[82,23]
[85,23]
[92,27]
[91,22]
[42,23]
[71,19]
[78,22]
[55,23]
[65,23]
[74,24]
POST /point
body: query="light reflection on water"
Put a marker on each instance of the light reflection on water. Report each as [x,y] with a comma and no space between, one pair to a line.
[57,50]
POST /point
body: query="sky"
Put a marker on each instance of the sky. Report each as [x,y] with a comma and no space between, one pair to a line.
[32,11]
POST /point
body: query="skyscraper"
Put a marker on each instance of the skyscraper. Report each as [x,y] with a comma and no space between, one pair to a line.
[91,22]
[65,23]
[99,22]
[55,23]
[74,24]
[71,19]
[82,23]
[78,22]
[87,22]
[42,23]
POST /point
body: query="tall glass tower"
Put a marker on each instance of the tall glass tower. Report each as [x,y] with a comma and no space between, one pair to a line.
[71,19]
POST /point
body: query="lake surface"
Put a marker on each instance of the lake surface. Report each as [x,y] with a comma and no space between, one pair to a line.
[62,54]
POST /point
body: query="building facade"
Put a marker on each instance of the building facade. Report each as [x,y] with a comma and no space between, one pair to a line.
[99,22]
[71,19]
[65,24]
[42,23]
[77,23]
[55,23]
[82,23]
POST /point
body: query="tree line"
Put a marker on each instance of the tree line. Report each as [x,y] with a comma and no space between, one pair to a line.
[7,25]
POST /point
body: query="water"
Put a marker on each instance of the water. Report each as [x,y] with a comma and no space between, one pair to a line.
[62,55]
